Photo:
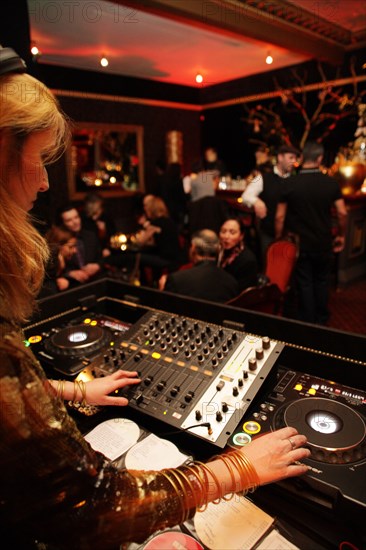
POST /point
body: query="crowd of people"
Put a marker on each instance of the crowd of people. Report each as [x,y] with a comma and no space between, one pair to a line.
[55,490]
[200,237]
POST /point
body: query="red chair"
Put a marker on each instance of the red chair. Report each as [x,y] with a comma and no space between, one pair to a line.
[280,261]
[266,299]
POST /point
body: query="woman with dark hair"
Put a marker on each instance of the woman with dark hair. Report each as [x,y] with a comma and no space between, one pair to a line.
[54,488]
[235,257]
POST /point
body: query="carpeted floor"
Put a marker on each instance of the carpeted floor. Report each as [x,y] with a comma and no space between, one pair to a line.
[348,308]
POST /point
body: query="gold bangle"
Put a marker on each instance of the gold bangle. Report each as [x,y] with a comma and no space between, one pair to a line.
[233,481]
[214,477]
[246,468]
[202,490]
[183,512]
[60,389]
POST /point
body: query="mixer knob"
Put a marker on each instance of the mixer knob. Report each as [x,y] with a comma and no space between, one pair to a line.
[115,361]
[219,416]
[200,358]
[172,320]
[106,358]
[163,345]
[180,342]
[198,415]
[216,338]
[259,353]
[225,407]
[173,333]
[167,324]
[193,346]
[220,385]
[224,348]
[179,328]
[137,357]
[148,380]
[198,341]
[235,391]
[184,322]
[221,333]
[187,353]
[205,350]
[162,330]
[245,374]
[122,355]
[214,362]
[146,331]
[211,344]
[234,336]
[266,342]
[113,352]
[175,349]
[195,325]
[208,329]
[229,342]
[185,337]
[157,322]
[240,382]
[161,385]
[252,363]
[190,331]
[151,326]
[220,355]
[168,339]
[174,391]
[203,335]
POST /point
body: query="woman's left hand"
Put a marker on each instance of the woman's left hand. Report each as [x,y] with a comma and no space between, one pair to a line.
[99,390]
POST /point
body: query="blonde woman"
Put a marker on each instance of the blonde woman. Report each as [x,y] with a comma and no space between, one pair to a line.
[54,489]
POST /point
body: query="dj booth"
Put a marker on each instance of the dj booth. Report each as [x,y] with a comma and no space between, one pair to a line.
[214,377]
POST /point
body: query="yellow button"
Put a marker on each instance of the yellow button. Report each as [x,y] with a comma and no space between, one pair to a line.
[251,427]
[298,387]
[156,355]
[93,323]
[312,391]
[34,339]
[87,321]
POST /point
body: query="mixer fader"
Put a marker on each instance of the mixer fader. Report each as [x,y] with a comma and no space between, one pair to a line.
[192,372]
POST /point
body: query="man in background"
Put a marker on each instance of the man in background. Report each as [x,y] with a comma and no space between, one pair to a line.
[306,209]
[85,264]
[263,194]
[205,279]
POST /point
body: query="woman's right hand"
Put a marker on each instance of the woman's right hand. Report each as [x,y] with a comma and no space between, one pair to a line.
[276,455]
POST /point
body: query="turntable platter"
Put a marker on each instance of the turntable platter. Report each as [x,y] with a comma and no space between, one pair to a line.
[335,432]
[76,340]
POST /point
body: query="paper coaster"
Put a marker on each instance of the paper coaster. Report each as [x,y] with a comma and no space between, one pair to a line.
[113,437]
[154,453]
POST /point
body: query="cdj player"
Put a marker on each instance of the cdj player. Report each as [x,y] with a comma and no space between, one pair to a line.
[333,418]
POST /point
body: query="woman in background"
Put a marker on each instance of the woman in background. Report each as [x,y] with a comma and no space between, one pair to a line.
[54,488]
[236,258]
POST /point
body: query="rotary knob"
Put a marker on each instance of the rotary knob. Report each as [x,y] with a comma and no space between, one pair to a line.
[219,416]
[259,353]
[198,415]
[225,407]
[235,391]
[252,364]
[266,342]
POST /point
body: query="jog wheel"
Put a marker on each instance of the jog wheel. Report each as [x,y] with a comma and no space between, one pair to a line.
[76,341]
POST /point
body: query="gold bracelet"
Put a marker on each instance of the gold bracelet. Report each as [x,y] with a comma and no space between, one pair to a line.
[202,500]
[232,475]
[60,389]
[246,470]
[214,477]
[165,474]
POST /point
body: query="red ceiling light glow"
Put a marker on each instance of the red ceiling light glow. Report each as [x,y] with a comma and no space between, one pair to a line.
[199,78]
[104,61]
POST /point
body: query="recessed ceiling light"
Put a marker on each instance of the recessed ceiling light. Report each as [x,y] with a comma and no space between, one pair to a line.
[104,61]
[199,78]
[269,59]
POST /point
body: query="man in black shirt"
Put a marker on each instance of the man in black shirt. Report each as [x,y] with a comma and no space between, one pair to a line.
[306,209]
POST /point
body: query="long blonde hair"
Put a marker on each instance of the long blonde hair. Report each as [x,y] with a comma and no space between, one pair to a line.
[27,106]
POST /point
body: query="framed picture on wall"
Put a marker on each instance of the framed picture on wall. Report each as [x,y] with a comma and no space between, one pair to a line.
[107,158]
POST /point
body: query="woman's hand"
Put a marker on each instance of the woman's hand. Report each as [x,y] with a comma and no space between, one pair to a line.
[98,390]
[275,455]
